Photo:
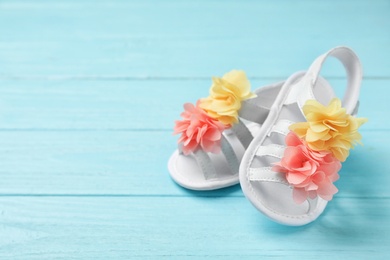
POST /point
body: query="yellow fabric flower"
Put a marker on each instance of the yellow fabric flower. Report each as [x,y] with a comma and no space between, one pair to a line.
[225,98]
[329,128]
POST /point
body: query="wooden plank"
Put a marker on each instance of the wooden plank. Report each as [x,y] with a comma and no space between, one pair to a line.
[134,163]
[88,94]
[134,227]
[129,105]
[142,39]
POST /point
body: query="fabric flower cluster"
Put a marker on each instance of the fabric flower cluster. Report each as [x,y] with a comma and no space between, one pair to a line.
[316,148]
[329,128]
[202,125]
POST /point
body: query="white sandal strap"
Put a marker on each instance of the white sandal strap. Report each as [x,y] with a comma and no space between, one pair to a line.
[252,112]
[356,110]
[243,134]
[281,127]
[273,150]
[205,163]
[230,155]
[207,166]
[354,76]
[266,174]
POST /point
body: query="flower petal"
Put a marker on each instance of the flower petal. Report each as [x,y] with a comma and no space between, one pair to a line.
[299,195]
[226,95]
[197,129]
[329,128]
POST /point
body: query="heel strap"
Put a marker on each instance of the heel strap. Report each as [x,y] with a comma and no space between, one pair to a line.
[353,69]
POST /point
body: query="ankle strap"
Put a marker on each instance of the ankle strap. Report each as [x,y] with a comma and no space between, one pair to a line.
[354,74]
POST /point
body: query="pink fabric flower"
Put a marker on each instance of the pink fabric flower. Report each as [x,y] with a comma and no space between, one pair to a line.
[311,173]
[198,130]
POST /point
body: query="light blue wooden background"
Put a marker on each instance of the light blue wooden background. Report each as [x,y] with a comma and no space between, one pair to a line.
[89,91]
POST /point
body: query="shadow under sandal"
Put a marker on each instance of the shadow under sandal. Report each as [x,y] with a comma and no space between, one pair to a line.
[289,169]
[215,132]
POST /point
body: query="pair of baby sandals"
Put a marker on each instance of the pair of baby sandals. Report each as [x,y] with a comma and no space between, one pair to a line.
[284,143]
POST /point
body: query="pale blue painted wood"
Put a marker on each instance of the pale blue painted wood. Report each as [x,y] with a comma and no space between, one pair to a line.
[134,163]
[133,104]
[88,94]
[184,38]
[170,227]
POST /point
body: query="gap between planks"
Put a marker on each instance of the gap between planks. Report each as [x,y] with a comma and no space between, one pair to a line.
[156,78]
[166,196]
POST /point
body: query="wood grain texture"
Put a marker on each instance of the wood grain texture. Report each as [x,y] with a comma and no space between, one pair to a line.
[142,39]
[135,163]
[89,91]
[154,227]
[122,105]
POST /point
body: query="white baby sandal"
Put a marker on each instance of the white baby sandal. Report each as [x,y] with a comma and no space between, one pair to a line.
[289,168]
[215,132]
